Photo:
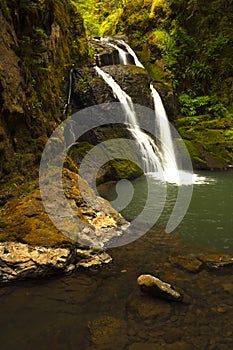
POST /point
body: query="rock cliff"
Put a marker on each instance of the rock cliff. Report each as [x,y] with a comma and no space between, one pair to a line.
[39,42]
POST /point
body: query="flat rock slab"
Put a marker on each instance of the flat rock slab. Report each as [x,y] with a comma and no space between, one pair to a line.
[190,264]
[20,261]
[157,288]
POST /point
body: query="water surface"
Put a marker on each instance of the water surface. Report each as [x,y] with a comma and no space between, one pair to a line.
[209,219]
[103,309]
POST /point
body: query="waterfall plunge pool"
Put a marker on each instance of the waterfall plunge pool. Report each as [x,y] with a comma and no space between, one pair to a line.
[104,309]
[209,218]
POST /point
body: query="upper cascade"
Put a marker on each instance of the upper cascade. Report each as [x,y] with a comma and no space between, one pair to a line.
[114,50]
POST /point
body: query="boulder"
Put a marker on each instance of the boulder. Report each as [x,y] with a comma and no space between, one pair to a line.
[157,288]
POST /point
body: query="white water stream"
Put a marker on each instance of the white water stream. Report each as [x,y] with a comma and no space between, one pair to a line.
[131,52]
[159,158]
[122,54]
[148,149]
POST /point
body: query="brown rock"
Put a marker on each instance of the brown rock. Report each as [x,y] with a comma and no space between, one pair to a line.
[186,263]
[155,287]
[27,221]
[20,261]
[216,261]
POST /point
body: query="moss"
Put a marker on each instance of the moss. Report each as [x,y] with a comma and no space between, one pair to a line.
[43,39]
[79,151]
[209,141]
[195,153]
[156,73]
[123,169]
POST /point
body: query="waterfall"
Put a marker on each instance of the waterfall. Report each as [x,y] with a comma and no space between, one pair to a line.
[165,139]
[159,158]
[131,52]
[122,54]
[69,91]
[148,149]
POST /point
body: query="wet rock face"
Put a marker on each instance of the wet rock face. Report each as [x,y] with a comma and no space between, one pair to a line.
[157,288]
[134,81]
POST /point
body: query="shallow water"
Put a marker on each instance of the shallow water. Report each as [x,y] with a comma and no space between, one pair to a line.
[104,309]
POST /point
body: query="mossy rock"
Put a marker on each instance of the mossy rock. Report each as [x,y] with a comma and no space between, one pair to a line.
[25,220]
[209,141]
[122,169]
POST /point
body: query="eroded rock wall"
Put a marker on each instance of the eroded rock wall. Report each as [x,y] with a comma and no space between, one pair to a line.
[39,42]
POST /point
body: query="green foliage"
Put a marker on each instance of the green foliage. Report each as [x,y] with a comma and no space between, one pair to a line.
[84,84]
[95,12]
[191,106]
[111,24]
[33,51]
[229,134]
[193,38]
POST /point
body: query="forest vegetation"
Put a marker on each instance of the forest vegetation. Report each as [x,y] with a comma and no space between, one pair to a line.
[184,44]
[188,43]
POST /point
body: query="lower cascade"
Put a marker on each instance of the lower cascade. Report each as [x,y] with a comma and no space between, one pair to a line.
[165,139]
[147,147]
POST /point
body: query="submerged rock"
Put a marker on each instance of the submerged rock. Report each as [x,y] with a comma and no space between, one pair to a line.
[155,287]
[217,261]
[187,263]
[104,332]
[146,309]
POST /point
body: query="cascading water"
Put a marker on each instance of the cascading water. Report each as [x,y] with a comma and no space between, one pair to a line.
[69,91]
[170,167]
[147,146]
[159,158]
[122,54]
[131,52]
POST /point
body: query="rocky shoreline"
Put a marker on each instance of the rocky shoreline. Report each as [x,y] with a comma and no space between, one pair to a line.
[32,246]
[20,261]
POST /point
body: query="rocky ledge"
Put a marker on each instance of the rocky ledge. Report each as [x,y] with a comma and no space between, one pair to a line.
[32,246]
[19,261]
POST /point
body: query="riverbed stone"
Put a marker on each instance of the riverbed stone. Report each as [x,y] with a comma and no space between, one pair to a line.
[18,261]
[107,332]
[157,288]
[228,287]
[187,263]
[92,258]
[146,308]
[217,261]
